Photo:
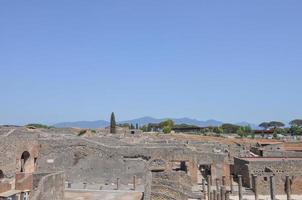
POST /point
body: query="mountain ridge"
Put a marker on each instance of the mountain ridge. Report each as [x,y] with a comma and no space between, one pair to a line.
[146,120]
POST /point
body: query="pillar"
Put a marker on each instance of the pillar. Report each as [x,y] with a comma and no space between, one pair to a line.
[68,184]
[217,184]
[134,182]
[272,188]
[287,189]
[227,195]
[211,195]
[209,186]
[231,184]
[240,187]
[223,181]
[214,195]
[84,185]
[193,171]
[204,189]
[222,192]
[118,183]
[218,195]
[255,184]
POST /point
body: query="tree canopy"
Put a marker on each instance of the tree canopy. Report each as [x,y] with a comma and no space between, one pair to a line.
[271,124]
[264,125]
[230,128]
[296,122]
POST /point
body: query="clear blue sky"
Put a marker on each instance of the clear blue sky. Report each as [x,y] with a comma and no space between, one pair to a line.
[79,60]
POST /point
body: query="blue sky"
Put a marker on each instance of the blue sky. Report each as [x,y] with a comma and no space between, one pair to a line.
[66,60]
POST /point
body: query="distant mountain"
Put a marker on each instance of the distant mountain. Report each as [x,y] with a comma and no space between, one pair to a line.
[145,120]
[83,124]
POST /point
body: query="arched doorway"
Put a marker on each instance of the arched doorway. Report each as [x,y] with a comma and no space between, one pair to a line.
[24,158]
[1,174]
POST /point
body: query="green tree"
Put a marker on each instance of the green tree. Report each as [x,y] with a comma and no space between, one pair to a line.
[279,131]
[264,125]
[112,123]
[167,122]
[230,128]
[218,130]
[247,129]
[166,125]
[276,124]
[167,129]
[242,131]
[296,122]
[295,130]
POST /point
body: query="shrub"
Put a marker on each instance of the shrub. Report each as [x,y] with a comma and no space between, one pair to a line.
[82,132]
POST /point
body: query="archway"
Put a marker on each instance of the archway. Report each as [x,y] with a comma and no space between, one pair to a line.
[1,174]
[24,158]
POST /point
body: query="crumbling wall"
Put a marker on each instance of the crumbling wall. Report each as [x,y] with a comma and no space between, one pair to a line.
[11,150]
[50,186]
[263,169]
[85,161]
[170,185]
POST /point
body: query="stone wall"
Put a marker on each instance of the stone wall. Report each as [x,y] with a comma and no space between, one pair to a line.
[49,186]
[170,185]
[266,167]
[85,161]
[11,150]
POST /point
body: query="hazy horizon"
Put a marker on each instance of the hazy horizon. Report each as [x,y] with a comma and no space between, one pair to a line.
[75,60]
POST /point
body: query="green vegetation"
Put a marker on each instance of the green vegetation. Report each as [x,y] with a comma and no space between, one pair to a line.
[39,126]
[166,125]
[230,128]
[276,128]
[244,131]
[112,123]
[296,122]
[271,125]
[82,132]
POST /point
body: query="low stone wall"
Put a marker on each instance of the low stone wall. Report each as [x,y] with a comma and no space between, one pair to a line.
[50,186]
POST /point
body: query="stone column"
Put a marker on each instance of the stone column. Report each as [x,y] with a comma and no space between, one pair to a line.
[272,188]
[222,192]
[214,195]
[209,186]
[204,189]
[223,181]
[287,189]
[227,195]
[231,184]
[84,185]
[134,182]
[255,184]
[217,184]
[118,183]
[211,195]
[240,187]
[193,171]
[68,184]
[218,195]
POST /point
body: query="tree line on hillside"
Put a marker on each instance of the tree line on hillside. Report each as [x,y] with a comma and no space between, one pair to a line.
[274,127]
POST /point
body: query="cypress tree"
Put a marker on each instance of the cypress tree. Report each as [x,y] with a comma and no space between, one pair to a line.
[112,123]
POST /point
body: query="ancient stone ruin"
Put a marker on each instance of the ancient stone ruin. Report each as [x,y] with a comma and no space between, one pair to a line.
[67,163]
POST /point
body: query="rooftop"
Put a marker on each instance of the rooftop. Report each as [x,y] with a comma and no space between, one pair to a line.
[256,159]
